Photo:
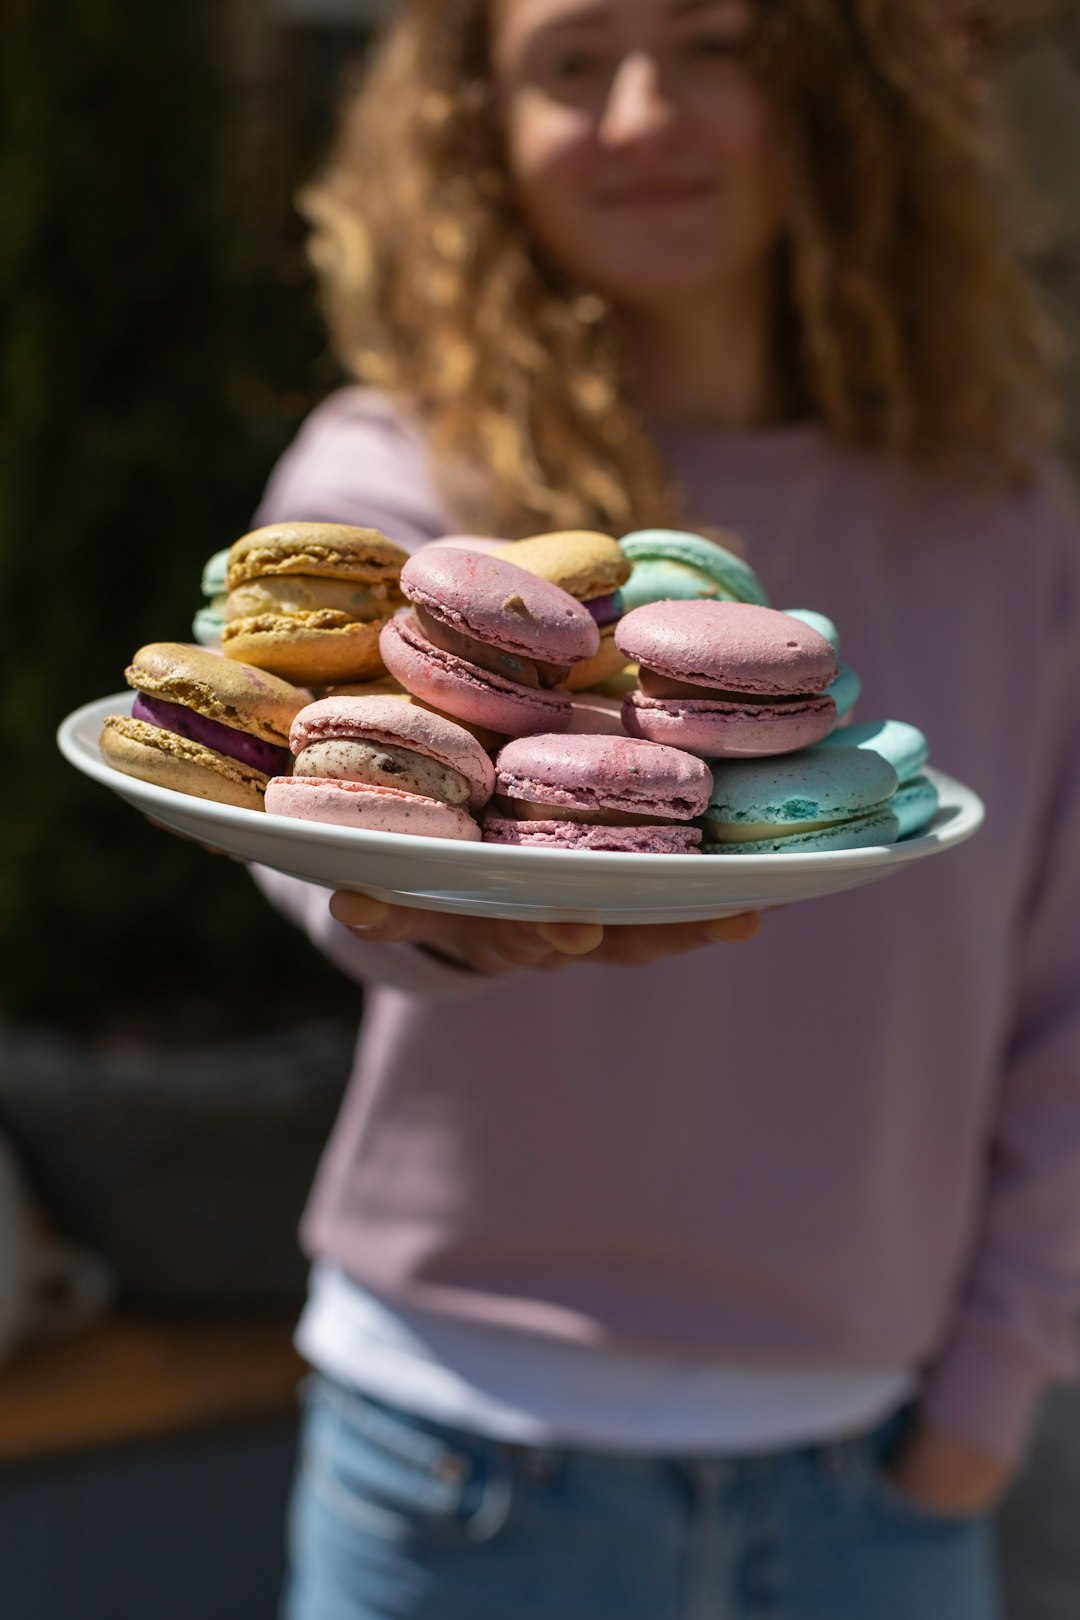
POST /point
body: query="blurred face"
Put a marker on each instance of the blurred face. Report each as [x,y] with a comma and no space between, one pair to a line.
[641,145]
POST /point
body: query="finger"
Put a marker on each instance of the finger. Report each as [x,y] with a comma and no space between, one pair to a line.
[571,939]
[492,946]
[373,919]
[636,945]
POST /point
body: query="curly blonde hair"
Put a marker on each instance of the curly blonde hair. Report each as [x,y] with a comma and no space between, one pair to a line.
[902,319]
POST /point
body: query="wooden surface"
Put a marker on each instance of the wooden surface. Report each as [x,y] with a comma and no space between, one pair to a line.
[127,1378]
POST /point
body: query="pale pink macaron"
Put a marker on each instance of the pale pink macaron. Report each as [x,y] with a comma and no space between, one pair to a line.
[487,641]
[597,792]
[386,765]
[727,679]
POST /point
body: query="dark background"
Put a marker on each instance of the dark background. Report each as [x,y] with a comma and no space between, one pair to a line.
[160,346]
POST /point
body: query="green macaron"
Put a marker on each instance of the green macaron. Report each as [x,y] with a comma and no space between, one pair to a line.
[669,564]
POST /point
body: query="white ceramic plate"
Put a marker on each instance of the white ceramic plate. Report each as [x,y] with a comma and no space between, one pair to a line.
[493,881]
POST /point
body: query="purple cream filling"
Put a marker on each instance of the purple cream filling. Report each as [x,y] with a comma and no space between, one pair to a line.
[606,609]
[251,751]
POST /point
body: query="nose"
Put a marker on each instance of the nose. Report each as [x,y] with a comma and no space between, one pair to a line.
[638,105]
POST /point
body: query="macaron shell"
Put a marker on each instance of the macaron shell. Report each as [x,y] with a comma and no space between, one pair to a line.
[681,840]
[232,692]
[718,730]
[819,622]
[388,720]
[170,761]
[658,579]
[845,691]
[581,561]
[914,805]
[861,832]
[496,602]
[314,649]
[215,572]
[902,744]
[355,804]
[456,687]
[604,773]
[818,785]
[332,550]
[601,667]
[717,561]
[731,645]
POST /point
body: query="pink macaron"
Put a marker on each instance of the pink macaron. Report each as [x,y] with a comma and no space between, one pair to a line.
[486,641]
[567,791]
[727,679]
[386,765]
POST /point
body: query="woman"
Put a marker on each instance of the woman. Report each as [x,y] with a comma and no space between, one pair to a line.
[678,1282]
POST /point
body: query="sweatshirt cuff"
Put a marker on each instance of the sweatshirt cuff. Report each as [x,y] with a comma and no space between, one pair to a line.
[401,967]
[985,1391]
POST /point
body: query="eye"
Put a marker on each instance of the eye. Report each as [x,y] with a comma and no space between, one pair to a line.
[573,64]
[720,47]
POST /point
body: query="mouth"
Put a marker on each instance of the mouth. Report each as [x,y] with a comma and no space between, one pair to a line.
[656,194]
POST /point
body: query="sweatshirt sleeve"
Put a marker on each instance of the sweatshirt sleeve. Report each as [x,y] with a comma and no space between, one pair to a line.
[399,967]
[359,459]
[1015,1327]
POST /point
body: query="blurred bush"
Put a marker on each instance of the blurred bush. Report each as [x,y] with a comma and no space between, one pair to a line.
[159,345]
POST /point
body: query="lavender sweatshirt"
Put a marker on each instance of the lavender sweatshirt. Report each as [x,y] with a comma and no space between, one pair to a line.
[854,1141]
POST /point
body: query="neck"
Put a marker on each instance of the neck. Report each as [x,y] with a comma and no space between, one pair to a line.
[707,362]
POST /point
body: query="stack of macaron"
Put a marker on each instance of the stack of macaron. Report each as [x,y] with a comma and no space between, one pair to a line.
[566,691]
[598,793]
[307,601]
[202,724]
[487,642]
[383,765]
[793,803]
[727,679]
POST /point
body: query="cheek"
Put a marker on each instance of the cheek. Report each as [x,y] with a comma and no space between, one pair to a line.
[741,134]
[548,148]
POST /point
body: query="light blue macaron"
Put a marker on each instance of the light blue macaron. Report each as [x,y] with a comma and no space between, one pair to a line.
[670,564]
[210,619]
[845,690]
[819,622]
[907,751]
[815,800]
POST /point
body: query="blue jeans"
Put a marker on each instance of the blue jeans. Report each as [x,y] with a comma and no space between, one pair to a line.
[402,1518]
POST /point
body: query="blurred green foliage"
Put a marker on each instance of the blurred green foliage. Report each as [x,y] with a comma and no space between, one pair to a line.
[155,362]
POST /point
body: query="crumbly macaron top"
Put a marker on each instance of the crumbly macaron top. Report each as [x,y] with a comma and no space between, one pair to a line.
[604,772]
[389,721]
[222,689]
[813,785]
[327,550]
[731,646]
[494,601]
[583,562]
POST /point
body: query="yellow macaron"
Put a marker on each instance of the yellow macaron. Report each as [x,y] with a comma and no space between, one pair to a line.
[307,600]
[590,567]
